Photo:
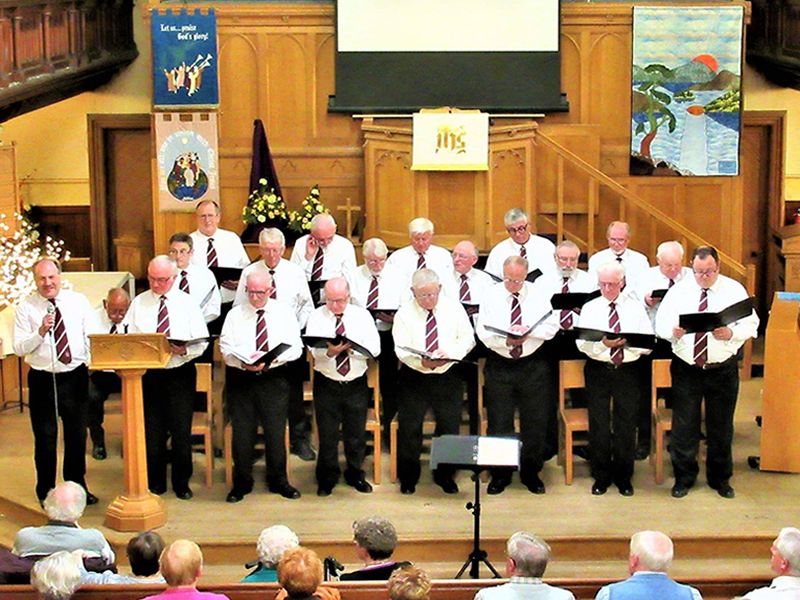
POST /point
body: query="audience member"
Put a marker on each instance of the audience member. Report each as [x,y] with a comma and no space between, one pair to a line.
[143,552]
[64,505]
[375,538]
[409,583]
[300,575]
[648,562]
[785,563]
[272,544]
[526,560]
[181,564]
[56,577]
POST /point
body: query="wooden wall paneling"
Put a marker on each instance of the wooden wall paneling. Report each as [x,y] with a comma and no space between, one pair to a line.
[289,61]
[67,223]
[331,128]
[510,186]
[9,192]
[241,85]
[394,189]
[455,205]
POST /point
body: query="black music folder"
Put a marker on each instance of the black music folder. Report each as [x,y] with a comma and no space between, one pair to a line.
[707,321]
[572,300]
[633,340]
[257,358]
[226,273]
[318,341]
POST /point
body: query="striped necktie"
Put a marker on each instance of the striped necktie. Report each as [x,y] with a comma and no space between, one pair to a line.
[211,254]
[113,329]
[372,294]
[617,354]
[316,271]
[464,294]
[431,334]
[565,320]
[184,284]
[63,353]
[343,358]
[523,252]
[163,317]
[701,339]
[421,264]
[273,293]
[261,332]
[516,319]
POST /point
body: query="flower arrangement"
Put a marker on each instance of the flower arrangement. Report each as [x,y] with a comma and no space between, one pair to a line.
[300,221]
[265,207]
[18,253]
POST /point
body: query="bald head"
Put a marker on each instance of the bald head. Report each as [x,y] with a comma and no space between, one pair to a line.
[323,229]
[650,551]
[116,304]
[258,286]
[337,295]
[465,255]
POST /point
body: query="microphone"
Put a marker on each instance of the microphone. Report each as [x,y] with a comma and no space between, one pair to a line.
[51,310]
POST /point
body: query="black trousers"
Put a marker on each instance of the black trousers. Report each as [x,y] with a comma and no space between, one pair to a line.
[418,391]
[168,406]
[525,385]
[255,400]
[299,419]
[612,437]
[719,387]
[340,403]
[72,388]
[469,374]
[101,385]
[388,365]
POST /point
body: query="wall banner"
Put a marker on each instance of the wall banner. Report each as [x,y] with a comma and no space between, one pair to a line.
[186,153]
[450,141]
[184,59]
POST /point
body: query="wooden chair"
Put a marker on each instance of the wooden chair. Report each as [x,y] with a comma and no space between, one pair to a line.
[203,422]
[661,416]
[571,420]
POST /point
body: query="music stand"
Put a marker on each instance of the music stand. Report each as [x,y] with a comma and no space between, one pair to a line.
[475,453]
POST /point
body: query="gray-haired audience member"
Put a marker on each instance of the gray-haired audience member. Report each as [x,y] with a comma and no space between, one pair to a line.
[409,583]
[375,538]
[785,563]
[648,562]
[272,544]
[64,505]
[56,577]
[181,564]
[527,557]
[143,552]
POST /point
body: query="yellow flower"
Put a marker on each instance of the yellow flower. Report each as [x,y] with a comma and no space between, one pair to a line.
[261,218]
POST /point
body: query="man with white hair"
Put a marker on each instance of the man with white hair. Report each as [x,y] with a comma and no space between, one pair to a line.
[273,542]
[428,331]
[785,563]
[169,392]
[527,556]
[536,249]
[58,576]
[649,560]
[618,235]
[612,371]
[64,505]
[422,254]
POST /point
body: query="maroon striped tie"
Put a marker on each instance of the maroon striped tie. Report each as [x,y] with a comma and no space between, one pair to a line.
[163,317]
[671,283]
[184,284]
[523,252]
[261,332]
[516,319]
[464,293]
[343,358]
[273,293]
[372,295]
[701,339]
[63,352]
[211,254]
[316,271]
[113,329]
[617,354]
[566,315]
[420,261]
[431,334]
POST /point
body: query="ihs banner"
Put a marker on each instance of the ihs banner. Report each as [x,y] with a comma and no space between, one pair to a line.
[450,141]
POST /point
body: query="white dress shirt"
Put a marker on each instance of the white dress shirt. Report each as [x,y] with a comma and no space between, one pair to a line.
[202,287]
[539,254]
[635,263]
[104,323]
[496,311]
[291,288]
[455,334]
[580,282]
[239,333]
[390,290]
[339,257]
[632,319]
[230,253]
[653,279]
[40,352]
[437,259]
[684,298]
[186,321]
[358,326]
[479,284]
[784,587]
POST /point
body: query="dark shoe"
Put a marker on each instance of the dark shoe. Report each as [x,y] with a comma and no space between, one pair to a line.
[725,490]
[679,490]
[642,452]
[407,488]
[91,498]
[535,485]
[581,451]
[185,494]
[448,485]
[322,492]
[598,489]
[285,490]
[497,485]
[99,453]
[626,489]
[361,485]
[158,491]
[235,496]
[303,450]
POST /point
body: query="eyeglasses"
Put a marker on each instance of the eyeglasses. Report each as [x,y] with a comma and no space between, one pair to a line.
[257,293]
[618,240]
[518,229]
[514,281]
[181,252]
[426,296]
[160,279]
[705,273]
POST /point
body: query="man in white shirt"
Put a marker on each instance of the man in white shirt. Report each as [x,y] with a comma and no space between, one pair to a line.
[341,395]
[538,251]
[111,318]
[517,374]
[527,556]
[195,279]
[422,254]
[612,371]
[378,288]
[169,392]
[258,393]
[322,254]
[785,563]
[428,331]
[50,332]
[618,235]
[704,368]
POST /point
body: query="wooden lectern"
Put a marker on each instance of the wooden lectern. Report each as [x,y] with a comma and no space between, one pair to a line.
[780,444]
[130,355]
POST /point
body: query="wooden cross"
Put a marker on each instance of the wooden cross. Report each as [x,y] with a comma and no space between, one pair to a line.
[348,208]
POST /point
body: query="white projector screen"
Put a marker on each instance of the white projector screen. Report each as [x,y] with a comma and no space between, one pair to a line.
[403,55]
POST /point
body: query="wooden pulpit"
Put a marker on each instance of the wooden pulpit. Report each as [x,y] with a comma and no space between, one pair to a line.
[130,355]
[780,444]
